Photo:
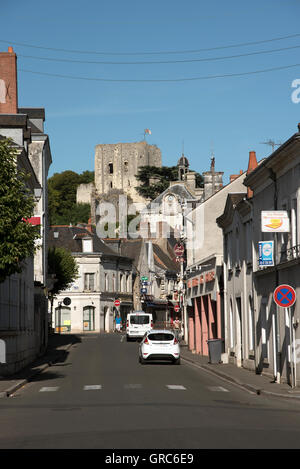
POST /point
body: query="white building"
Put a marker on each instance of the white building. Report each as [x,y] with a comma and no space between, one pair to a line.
[103,277]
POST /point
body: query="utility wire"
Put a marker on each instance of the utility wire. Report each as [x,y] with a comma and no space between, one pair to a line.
[209,59]
[285,67]
[191,51]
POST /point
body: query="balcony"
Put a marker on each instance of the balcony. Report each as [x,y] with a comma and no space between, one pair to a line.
[290,254]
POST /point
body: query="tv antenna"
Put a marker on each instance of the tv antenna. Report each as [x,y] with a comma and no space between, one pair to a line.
[271,143]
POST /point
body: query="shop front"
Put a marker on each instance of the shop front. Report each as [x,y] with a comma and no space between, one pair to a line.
[205,315]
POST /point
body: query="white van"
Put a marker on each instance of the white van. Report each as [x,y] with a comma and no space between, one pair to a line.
[137,324]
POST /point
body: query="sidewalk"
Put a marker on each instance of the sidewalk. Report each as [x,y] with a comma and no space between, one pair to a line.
[57,351]
[247,379]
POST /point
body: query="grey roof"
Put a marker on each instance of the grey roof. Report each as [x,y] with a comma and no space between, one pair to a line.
[70,237]
[178,189]
[165,259]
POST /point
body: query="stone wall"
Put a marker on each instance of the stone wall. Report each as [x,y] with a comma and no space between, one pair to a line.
[116,166]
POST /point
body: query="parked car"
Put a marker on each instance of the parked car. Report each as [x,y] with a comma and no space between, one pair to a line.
[159,345]
[137,324]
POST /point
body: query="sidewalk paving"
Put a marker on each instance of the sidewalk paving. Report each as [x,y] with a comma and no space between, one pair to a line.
[247,379]
[57,351]
[59,344]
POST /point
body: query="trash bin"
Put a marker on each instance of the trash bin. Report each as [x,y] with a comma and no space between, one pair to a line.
[215,350]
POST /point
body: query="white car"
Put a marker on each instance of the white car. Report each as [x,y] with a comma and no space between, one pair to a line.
[137,324]
[159,345]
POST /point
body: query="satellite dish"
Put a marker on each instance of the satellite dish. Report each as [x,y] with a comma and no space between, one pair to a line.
[67,301]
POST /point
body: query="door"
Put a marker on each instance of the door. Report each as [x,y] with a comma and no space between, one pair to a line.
[89,318]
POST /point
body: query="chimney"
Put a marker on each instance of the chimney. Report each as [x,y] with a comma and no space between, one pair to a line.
[89,225]
[251,166]
[8,82]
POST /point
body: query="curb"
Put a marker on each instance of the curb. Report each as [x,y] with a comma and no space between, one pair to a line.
[34,372]
[248,387]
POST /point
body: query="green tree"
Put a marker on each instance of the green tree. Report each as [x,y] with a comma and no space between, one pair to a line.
[79,213]
[62,188]
[164,176]
[63,266]
[17,237]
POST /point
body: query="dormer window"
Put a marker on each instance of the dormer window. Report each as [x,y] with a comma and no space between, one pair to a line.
[87,245]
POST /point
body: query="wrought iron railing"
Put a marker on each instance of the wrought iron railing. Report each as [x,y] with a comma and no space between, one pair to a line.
[290,254]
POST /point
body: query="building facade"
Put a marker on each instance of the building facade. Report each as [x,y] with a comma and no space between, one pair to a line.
[276,187]
[23,303]
[103,277]
[204,269]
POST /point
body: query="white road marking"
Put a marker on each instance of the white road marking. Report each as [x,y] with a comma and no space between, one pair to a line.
[49,389]
[176,386]
[218,389]
[91,387]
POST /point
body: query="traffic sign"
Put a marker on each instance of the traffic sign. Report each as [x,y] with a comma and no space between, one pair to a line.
[176,308]
[143,290]
[67,301]
[117,302]
[179,249]
[284,296]
[144,279]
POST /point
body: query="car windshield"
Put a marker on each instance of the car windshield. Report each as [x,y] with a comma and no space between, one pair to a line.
[139,319]
[161,337]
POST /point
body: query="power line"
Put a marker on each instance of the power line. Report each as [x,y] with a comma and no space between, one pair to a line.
[209,59]
[191,51]
[285,67]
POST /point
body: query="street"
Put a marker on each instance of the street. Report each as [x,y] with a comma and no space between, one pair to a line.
[101,397]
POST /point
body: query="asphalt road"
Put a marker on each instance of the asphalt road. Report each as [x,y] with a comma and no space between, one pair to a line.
[101,397]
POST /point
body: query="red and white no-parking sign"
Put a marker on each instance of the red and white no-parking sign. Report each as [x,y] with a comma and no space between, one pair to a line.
[176,308]
[117,303]
[284,296]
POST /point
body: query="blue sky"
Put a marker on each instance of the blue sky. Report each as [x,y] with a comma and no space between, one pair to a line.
[231,115]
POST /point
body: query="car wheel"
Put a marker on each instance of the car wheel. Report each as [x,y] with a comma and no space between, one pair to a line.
[177,361]
[142,360]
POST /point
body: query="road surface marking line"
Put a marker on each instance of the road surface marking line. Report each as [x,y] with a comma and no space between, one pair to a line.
[91,387]
[49,389]
[176,386]
[217,389]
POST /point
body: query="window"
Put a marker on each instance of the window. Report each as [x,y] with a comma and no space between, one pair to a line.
[251,324]
[139,320]
[87,245]
[128,281]
[126,166]
[237,249]
[294,223]
[229,250]
[106,285]
[248,242]
[114,282]
[231,325]
[111,168]
[89,282]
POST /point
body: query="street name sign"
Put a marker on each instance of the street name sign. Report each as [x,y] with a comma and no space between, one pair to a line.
[284,296]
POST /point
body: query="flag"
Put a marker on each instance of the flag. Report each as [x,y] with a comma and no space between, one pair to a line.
[147,131]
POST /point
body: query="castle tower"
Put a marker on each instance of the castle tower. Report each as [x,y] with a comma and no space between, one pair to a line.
[116,167]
